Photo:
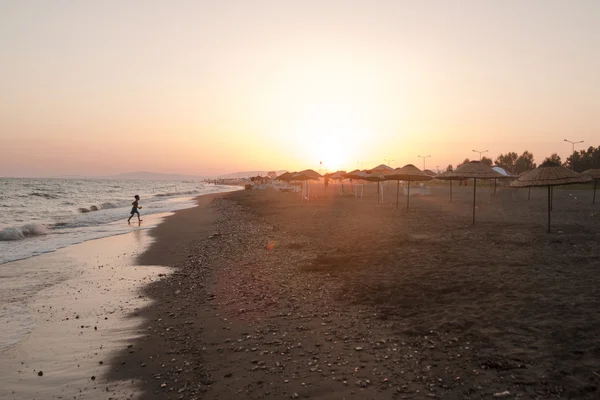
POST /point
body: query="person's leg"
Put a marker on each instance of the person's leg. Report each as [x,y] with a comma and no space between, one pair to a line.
[138,215]
[129,219]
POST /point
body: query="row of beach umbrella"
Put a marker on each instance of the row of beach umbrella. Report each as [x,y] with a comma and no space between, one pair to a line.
[548,174]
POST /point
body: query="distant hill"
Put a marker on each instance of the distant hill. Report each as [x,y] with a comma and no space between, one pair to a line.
[154,176]
[248,174]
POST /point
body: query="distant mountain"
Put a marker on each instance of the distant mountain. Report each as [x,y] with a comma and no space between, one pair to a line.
[154,176]
[248,174]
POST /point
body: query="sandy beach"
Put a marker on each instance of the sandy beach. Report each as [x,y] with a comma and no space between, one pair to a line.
[346,298]
[79,321]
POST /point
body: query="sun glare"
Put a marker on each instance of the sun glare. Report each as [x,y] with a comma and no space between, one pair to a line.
[331,137]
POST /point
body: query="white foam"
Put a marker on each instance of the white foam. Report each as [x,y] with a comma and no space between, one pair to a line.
[36,238]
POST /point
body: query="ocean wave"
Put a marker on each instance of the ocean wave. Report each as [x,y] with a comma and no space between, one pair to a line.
[33,229]
[167,194]
[103,206]
[44,195]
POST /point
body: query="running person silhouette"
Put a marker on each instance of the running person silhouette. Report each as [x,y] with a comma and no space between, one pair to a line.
[134,209]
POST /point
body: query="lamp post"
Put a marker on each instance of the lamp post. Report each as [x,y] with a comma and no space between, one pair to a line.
[480,152]
[573,143]
[424,157]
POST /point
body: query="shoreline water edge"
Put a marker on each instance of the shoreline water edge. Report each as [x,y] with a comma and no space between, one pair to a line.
[51,303]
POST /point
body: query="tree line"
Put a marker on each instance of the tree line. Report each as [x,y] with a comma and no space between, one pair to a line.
[514,163]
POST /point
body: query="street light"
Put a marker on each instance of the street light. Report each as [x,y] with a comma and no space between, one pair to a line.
[573,143]
[424,157]
[480,153]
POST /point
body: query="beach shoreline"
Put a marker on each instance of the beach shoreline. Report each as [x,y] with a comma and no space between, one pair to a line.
[339,297]
[81,321]
[70,326]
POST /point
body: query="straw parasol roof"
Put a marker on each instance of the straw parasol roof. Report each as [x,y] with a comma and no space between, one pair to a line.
[430,173]
[286,176]
[353,174]
[381,169]
[595,174]
[305,176]
[408,173]
[371,176]
[338,175]
[475,170]
[549,174]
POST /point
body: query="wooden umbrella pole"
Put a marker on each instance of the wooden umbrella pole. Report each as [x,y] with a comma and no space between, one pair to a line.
[495,186]
[549,206]
[397,192]
[594,198]
[551,198]
[450,190]
[474,196]
[408,197]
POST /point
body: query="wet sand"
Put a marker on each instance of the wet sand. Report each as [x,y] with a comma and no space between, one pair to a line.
[345,298]
[80,323]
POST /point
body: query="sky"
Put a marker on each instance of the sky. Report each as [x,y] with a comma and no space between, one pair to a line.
[210,87]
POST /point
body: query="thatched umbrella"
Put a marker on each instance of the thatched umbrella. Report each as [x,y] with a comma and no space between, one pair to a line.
[475,170]
[306,175]
[286,176]
[310,174]
[408,173]
[381,169]
[376,175]
[447,177]
[595,174]
[353,174]
[338,175]
[430,173]
[549,174]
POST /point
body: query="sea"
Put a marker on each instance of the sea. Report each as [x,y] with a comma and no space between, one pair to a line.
[39,216]
[42,215]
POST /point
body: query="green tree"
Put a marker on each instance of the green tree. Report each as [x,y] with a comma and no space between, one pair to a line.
[487,161]
[449,168]
[507,161]
[555,158]
[584,159]
[524,162]
[465,161]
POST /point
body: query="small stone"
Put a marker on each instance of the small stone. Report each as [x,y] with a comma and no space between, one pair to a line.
[41,373]
[164,385]
[358,348]
[93,378]
[506,393]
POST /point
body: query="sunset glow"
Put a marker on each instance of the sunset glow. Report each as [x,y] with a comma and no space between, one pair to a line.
[214,87]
